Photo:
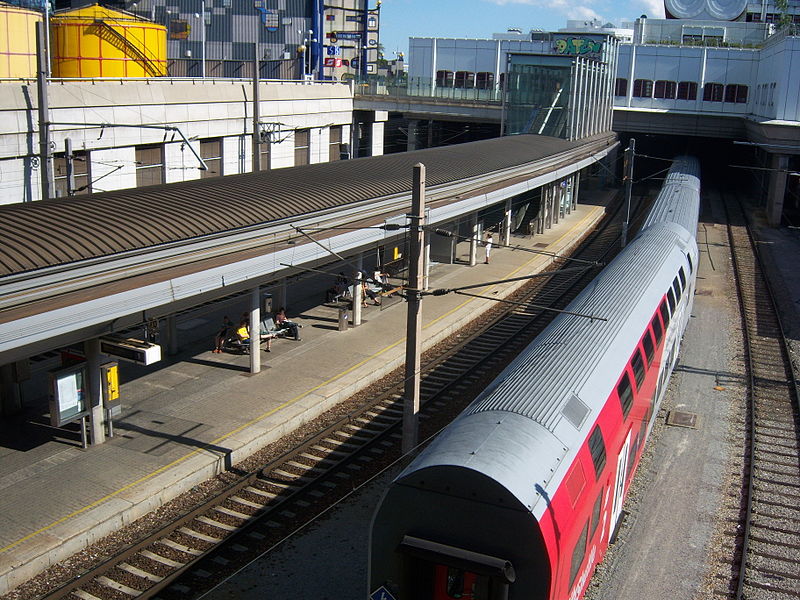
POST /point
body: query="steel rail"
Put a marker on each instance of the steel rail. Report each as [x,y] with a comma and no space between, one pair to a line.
[753,385]
[29,287]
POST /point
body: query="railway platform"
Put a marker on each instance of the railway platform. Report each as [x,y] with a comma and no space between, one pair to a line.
[196,414]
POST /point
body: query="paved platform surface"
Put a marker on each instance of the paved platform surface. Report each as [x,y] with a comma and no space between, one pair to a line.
[199,412]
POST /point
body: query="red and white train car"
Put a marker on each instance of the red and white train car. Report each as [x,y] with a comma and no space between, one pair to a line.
[519,497]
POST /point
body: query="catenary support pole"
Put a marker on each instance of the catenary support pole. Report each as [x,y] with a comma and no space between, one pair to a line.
[45,164]
[256,116]
[414,322]
[629,154]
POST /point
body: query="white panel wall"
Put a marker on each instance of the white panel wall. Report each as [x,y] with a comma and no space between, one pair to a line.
[199,109]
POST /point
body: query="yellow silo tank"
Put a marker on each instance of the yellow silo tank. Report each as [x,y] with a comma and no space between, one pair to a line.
[94,41]
[18,47]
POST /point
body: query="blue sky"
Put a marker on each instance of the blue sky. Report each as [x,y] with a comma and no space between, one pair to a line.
[401,19]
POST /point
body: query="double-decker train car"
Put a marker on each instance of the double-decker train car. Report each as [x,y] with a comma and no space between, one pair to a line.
[521,495]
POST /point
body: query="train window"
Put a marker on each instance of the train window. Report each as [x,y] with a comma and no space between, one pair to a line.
[637,364]
[671,300]
[657,329]
[578,554]
[625,393]
[676,285]
[597,448]
[691,266]
[664,313]
[682,276]
[598,504]
[649,347]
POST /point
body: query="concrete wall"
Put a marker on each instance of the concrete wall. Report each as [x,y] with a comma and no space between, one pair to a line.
[199,108]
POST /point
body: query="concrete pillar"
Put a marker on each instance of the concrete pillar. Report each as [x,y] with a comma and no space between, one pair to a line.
[430,134]
[172,335]
[255,331]
[473,241]
[779,163]
[357,299]
[94,396]
[9,391]
[411,136]
[505,233]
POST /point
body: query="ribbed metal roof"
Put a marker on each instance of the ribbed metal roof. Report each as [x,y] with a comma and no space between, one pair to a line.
[62,230]
[676,201]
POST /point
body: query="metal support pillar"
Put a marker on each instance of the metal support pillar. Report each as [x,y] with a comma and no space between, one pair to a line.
[414,319]
[281,293]
[172,335]
[473,241]
[256,116]
[91,349]
[630,152]
[556,202]
[505,234]
[255,331]
[411,136]
[426,257]
[777,188]
[45,158]
[10,397]
[576,187]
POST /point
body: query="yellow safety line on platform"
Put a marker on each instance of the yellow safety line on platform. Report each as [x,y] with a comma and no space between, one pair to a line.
[269,412]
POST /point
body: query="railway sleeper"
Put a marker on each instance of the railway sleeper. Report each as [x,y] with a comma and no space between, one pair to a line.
[199,536]
[212,522]
[168,562]
[180,547]
[139,572]
[116,585]
[294,477]
[84,595]
[248,503]
[232,513]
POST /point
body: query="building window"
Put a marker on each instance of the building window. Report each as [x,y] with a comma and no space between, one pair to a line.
[736,93]
[665,89]
[484,81]
[643,88]
[149,165]
[687,90]
[713,92]
[621,87]
[211,153]
[80,174]
[465,79]
[444,78]
[302,147]
[335,148]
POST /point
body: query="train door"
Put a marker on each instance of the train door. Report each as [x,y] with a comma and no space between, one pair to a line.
[451,583]
[619,486]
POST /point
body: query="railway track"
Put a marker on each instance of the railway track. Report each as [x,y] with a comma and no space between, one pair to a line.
[266,505]
[768,542]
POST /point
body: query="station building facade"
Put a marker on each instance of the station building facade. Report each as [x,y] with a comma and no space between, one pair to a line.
[131,132]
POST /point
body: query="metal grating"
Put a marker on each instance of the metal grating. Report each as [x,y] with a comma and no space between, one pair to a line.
[678,418]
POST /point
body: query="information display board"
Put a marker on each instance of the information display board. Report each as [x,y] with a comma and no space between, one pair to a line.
[69,400]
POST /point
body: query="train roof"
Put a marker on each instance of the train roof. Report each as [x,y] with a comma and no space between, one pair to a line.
[552,385]
[674,203]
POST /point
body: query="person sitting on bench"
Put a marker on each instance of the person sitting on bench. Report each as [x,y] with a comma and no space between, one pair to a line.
[283,322]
